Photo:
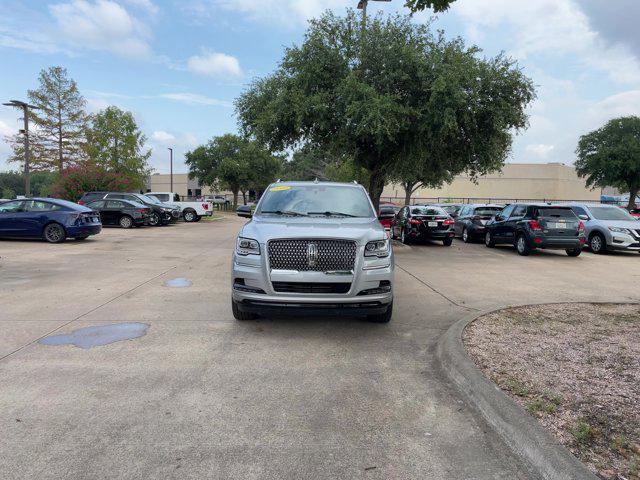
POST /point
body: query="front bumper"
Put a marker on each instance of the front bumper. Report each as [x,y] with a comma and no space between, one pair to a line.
[623,241]
[256,293]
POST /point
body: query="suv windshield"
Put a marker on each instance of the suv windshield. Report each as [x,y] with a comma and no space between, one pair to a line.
[610,213]
[330,200]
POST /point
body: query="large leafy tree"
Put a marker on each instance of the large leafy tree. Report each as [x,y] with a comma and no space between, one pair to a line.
[392,93]
[610,156]
[234,163]
[435,5]
[57,136]
[115,143]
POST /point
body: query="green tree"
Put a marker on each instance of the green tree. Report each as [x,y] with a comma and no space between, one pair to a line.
[41,183]
[610,156]
[58,134]
[233,163]
[75,181]
[115,143]
[395,93]
[435,5]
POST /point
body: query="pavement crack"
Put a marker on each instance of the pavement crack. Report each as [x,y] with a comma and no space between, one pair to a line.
[434,290]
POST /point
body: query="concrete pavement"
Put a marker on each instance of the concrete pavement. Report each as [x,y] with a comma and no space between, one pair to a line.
[204,396]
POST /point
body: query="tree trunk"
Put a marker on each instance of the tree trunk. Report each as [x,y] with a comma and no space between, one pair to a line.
[376,185]
[633,193]
[235,198]
[408,191]
[244,198]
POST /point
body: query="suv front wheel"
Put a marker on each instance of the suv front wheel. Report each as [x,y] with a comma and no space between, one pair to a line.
[382,317]
[239,314]
[597,243]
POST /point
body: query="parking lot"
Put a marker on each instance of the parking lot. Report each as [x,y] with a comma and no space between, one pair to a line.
[203,396]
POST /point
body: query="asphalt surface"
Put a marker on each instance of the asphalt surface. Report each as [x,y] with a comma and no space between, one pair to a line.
[203,396]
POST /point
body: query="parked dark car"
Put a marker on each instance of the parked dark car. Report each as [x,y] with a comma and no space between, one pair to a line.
[387,213]
[422,222]
[161,214]
[452,209]
[50,219]
[528,227]
[471,220]
[121,212]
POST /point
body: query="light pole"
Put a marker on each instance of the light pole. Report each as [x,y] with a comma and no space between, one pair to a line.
[362,5]
[25,110]
[171,167]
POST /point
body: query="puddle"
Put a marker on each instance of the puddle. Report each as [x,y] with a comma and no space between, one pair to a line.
[89,337]
[178,283]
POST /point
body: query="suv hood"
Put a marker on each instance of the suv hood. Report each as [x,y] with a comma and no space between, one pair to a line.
[631,224]
[361,230]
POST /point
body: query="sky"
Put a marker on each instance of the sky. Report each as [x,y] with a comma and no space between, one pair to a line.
[178,65]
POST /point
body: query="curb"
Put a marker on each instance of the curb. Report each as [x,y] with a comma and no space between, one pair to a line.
[522,434]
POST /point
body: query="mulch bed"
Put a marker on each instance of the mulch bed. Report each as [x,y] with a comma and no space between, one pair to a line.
[576,368]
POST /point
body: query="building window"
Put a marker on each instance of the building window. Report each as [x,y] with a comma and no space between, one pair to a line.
[189,193]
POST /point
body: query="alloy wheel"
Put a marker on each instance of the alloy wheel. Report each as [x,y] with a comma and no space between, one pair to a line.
[596,244]
[189,216]
[521,245]
[54,233]
[126,222]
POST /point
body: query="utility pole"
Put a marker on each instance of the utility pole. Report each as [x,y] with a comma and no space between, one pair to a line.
[171,167]
[362,5]
[25,111]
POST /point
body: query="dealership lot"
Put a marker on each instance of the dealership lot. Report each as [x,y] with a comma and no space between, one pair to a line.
[201,395]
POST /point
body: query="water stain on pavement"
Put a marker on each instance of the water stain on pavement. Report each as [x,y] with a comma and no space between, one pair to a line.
[89,337]
[178,283]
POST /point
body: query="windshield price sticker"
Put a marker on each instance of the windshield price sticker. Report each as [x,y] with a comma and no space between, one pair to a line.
[280,188]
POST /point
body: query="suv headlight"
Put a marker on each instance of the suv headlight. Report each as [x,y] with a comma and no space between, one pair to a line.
[620,230]
[247,246]
[377,248]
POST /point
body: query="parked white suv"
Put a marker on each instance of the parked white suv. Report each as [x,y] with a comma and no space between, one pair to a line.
[313,248]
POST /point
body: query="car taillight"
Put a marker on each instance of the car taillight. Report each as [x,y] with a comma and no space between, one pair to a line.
[80,202]
[448,221]
[205,206]
[415,221]
[142,210]
[534,225]
[581,227]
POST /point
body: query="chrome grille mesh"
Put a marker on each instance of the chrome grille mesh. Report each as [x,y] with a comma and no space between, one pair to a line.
[294,255]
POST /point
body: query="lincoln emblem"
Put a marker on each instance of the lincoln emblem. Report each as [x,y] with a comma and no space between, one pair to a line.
[312,254]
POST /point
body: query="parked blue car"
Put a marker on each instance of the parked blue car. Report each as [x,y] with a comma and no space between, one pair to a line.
[48,218]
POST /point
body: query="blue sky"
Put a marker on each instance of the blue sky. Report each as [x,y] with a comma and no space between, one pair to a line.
[178,65]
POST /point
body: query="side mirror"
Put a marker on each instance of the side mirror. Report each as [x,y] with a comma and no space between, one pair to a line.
[244,211]
[584,217]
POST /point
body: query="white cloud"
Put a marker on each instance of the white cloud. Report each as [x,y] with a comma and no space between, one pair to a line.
[554,27]
[214,64]
[195,99]
[618,105]
[540,150]
[101,25]
[163,137]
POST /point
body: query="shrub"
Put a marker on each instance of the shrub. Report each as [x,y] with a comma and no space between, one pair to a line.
[75,181]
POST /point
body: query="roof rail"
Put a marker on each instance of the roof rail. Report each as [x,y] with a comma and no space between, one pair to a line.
[278,181]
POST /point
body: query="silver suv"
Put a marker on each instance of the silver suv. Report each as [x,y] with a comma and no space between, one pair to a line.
[608,227]
[314,248]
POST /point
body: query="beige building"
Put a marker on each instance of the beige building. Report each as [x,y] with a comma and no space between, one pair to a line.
[516,181]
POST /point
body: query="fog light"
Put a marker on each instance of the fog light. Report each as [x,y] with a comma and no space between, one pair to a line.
[239,285]
[384,287]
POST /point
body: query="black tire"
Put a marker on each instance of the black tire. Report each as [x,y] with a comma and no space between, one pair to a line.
[466,238]
[54,233]
[597,243]
[79,239]
[189,215]
[239,315]
[488,240]
[382,317]
[198,218]
[574,252]
[522,246]
[125,221]
[154,219]
[447,241]
[404,239]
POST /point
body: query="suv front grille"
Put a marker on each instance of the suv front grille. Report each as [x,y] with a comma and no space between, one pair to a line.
[301,287]
[312,255]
